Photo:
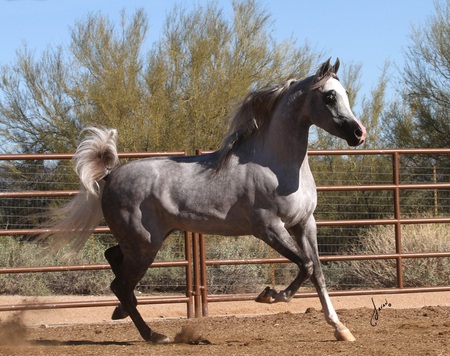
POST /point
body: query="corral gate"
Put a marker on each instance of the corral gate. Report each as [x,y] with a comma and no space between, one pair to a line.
[195,262]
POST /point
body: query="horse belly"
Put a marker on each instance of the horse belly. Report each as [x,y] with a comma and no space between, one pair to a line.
[212,216]
[214,226]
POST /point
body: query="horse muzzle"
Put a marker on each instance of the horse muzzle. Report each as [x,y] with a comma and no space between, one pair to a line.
[358,136]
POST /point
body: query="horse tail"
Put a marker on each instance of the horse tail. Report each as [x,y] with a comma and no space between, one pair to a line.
[72,224]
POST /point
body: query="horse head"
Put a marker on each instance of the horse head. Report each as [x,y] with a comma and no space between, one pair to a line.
[330,107]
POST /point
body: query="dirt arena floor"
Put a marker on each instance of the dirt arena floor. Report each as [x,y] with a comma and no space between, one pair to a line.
[408,324]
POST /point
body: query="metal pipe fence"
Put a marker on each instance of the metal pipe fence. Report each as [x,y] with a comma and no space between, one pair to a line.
[399,209]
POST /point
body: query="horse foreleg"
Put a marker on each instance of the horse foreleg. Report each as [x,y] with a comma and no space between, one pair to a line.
[286,246]
[270,296]
[120,312]
[309,244]
[341,332]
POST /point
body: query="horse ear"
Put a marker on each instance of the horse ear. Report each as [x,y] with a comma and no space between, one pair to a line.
[336,66]
[324,68]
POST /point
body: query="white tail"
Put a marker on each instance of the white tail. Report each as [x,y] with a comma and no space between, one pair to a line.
[95,157]
[72,224]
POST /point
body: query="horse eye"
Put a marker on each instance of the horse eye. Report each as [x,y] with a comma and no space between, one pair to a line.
[330,97]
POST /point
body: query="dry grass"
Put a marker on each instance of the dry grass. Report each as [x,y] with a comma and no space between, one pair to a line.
[417,272]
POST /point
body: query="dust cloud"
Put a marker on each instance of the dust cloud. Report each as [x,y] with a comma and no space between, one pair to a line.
[13,331]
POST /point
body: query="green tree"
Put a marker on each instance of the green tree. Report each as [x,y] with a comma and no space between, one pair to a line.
[107,83]
[204,64]
[422,119]
[36,113]
[173,97]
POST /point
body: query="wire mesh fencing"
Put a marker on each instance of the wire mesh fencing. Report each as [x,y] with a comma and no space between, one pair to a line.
[382,216]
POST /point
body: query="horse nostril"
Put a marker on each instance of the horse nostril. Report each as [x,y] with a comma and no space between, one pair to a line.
[358,132]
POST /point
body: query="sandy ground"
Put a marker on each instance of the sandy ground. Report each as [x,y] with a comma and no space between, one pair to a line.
[411,324]
[67,316]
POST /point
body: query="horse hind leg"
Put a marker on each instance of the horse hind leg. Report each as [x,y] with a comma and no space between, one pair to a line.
[129,271]
[114,256]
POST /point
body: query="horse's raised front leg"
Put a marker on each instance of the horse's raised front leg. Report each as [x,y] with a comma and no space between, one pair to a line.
[270,295]
[281,240]
[129,272]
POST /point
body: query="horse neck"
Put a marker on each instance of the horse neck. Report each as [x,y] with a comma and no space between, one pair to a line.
[286,139]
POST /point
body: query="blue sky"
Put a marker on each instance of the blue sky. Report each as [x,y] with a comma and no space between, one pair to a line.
[358,31]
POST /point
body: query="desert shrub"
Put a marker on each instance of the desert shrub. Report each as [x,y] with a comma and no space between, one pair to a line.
[224,279]
[14,252]
[417,272]
[220,278]
[167,279]
[248,278]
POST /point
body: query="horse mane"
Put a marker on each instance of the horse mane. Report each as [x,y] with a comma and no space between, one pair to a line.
[256,110]
[251,118]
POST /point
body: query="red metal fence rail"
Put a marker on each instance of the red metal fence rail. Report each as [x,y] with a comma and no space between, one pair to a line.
[195,263]
[187,263]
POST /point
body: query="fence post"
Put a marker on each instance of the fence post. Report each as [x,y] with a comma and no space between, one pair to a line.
[397,217]
[203,280]
[188,270]
[196,270]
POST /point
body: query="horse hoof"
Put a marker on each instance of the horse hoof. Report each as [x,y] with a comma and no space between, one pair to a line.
[156,338]
[344,335]
[119,313]
[266,296]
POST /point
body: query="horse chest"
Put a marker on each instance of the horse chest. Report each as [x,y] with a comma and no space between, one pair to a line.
[297,207]
[291,198]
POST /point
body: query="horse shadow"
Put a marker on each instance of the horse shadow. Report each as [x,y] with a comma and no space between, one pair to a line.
[79,343]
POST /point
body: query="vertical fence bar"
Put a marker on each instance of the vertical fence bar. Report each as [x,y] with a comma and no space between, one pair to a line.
[196,270]
[202,266]
[203,279]
[397,217]
[189,284]
[436,209]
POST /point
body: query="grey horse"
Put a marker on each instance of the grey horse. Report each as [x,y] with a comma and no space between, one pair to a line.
[258,183]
